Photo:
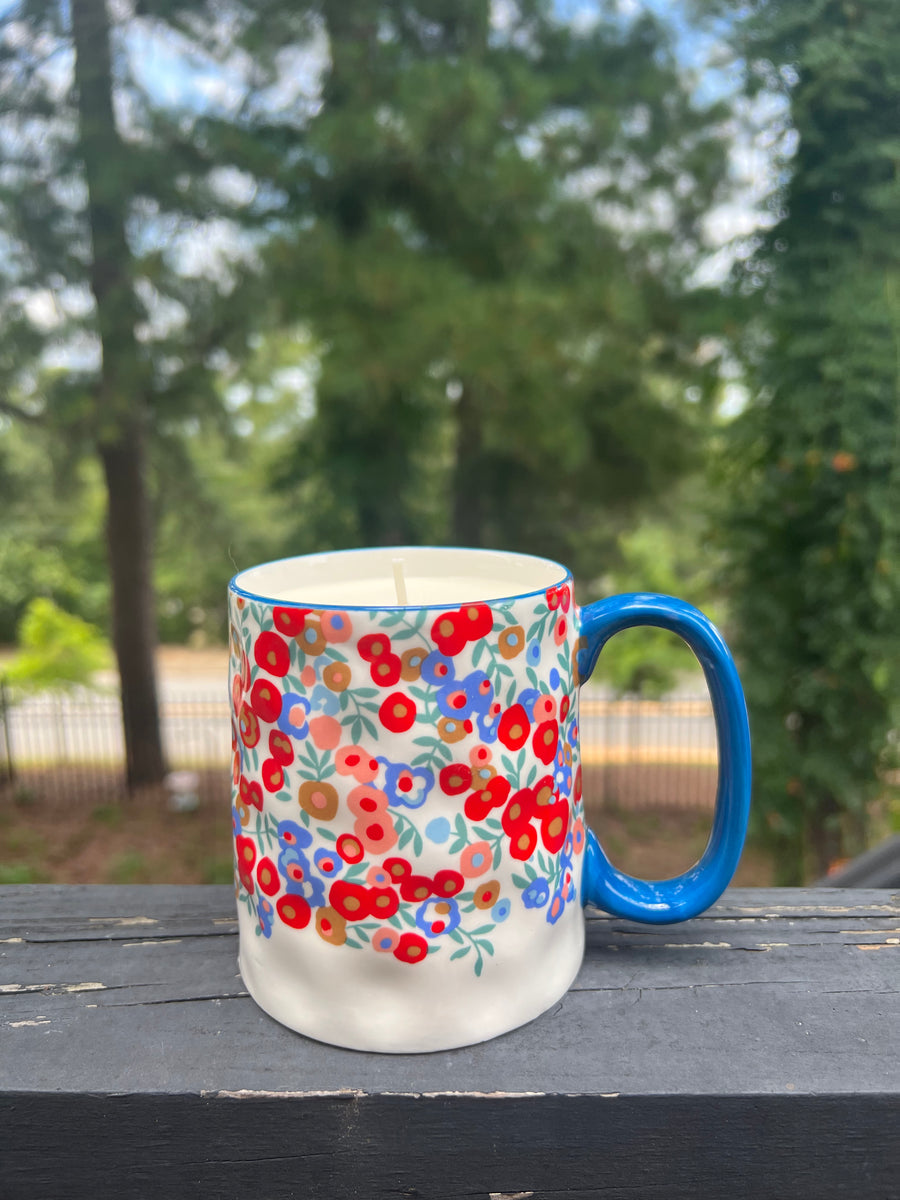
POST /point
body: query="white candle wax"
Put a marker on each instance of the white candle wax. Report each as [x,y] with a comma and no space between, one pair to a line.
[433,576]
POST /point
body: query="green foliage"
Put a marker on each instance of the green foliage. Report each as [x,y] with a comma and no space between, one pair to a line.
[815,517]
[504,346]
[670,554]
[57,649]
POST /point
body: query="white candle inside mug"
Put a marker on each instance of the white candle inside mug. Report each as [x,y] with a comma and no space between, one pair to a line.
[412,576]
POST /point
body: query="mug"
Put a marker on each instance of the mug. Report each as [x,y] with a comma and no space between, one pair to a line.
[411,856]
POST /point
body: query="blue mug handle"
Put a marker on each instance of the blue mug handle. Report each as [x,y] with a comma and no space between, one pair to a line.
[691,893]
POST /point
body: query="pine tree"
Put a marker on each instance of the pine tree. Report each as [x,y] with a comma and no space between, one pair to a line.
[504,331]
[99,180]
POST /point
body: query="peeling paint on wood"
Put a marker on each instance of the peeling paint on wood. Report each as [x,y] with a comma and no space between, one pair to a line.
[764,1062]
[50,989]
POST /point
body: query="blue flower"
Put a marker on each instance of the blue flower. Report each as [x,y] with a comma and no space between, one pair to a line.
[533,653]
[324,700]
[500,911]
[294,711]
[556,907]
[554,679]
[536,894]
[290,834]
[572,732]
[480,691]
[404,785]
[562,772]
[528,697]
[437,917]
[299,880]
[460,699]
[266,914]
[438,830]
[437,668]
[328,862]
[488,726]
[235,822]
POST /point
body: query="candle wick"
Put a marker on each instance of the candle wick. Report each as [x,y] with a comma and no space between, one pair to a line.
[399,581]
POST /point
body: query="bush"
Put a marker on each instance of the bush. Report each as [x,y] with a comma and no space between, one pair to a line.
[56,649]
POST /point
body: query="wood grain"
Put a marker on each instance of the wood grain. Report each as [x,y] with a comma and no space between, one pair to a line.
[752,1052]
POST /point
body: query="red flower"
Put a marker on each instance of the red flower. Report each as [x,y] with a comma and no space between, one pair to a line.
[383,902]
[265,700]
[514,727]
[448,883]
[559,631]
[545,741]
[518,812]
[267,876]
[480,803]
[449,632]
[351,900]
[294,911]
[272,775]
[248,725]
[577,788]
[477,620]
[523,842]
[455,778]
[289,621]
[246,857]
[397,713]
[385,671]
[411,948]
[416,887]
[350,848]
[280,747]
[554,823]
[559,597]
[373,646]
[398,868]
[250,793]
[564,708]
[271,653]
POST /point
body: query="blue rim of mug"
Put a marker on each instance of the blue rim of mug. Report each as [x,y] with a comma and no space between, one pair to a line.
[272,601]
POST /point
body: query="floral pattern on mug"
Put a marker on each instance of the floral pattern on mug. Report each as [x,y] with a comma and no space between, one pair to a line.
[369,745]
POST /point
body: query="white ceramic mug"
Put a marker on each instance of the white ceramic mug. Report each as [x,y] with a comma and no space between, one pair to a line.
[410,844]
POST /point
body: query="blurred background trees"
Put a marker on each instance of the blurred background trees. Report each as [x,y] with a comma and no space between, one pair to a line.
[609,283]
[815,517]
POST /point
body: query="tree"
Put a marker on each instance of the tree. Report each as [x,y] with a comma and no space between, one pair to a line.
[816,508]
[505,340]
[100,183]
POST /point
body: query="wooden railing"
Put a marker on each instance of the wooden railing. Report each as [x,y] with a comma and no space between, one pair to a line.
[752,1053]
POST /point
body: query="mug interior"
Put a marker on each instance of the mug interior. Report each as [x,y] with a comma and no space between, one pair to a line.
[398,577]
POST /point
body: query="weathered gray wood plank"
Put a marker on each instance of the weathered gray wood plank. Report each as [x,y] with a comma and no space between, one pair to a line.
[753,1052]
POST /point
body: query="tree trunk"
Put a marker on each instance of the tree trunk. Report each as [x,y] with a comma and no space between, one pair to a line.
[120,420]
